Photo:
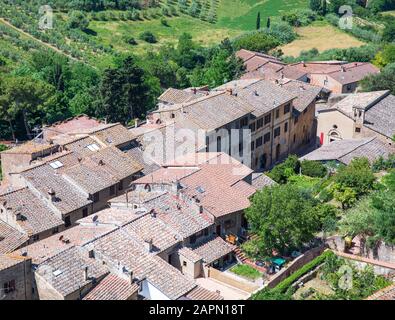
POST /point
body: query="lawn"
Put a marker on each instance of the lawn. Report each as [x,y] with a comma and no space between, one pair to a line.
[113,32]
[234,18]
[304,182]
[246,271]
[322,36]
[241,14]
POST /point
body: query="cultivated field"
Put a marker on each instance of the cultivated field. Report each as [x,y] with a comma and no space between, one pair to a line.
[321,36]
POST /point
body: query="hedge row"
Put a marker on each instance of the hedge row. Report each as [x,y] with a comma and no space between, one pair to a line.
[287,282]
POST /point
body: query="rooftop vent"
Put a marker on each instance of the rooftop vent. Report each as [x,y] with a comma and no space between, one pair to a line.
[56,164]
[57,272]
[200,189]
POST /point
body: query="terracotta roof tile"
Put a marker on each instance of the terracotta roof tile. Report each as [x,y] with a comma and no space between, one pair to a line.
[112,287]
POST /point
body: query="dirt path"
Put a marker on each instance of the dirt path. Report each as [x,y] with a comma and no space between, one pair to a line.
[2,20]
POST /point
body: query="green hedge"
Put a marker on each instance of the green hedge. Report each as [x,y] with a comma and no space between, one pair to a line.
[280,292]
[287,282]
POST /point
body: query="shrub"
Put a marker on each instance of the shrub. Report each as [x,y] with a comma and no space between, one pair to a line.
[164,22]
[283,171]
[131,40]
[148,36]
[256,41]
[313,168]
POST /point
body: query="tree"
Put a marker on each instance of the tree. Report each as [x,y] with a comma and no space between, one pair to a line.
[389,32]
[26,98]
[258,21]
[124,92]
[257,41]
[385,80]
[78,20]
[385,56]
[324,7]
[282,217]
[313,168]
[148,36]
[357,175]
[315,5]
[268,23]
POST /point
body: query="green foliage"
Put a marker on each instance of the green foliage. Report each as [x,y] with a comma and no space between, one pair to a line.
[300,17]
[256,41]
[313,168]
[315,5]
[384,164]
[281,291]
[258,21]
[385,80]
[357,176]
[124,92]
[282,216]
[283,171]
[385,56]
[245,271]
[78,20]
[148,36]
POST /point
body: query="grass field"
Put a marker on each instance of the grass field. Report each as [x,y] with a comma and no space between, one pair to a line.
[241,14]
[234,18]
[322,36]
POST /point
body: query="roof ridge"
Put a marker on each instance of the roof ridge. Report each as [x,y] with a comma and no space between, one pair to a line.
[13,191]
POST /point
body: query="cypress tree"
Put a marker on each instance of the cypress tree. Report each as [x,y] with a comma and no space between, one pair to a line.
[258,21]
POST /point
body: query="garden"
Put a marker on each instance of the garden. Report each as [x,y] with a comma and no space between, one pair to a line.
[327,277]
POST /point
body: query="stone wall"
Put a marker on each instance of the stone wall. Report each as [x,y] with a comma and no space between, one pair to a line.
[295,265]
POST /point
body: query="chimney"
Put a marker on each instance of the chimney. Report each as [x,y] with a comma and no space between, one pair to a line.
[136,122]
[101,163]
[91,254]
[343,69]
[131,278]
[256,93]
[194,90]
[304,64]
[79,159]
[153,213]
[148,245]
[52,195]
[85,272]
[229,91]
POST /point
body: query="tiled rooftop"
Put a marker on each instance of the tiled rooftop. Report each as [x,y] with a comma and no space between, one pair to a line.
[10,238]
[8,260]
[346,150]
[121,248]
[36,215]
[112,287]
[76,236]
[200,293]
[65,271]
[260,181]
[213,249]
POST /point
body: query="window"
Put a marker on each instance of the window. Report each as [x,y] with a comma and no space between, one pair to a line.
[252,127]
[277,113]
[85,212]
[252,145]
[287,108]
[193,239]
[120,185]
[36,237]
[219,144]
[96,197]
[56,164]
[112,190]
[184,263]
[358,130]
[67,221]
[9,286]
[296,119]
[286,127]
[259,123]
[259,142]
[268,119]
[277,132]
[244,122]
[241,149]
[93,147]
[266,137]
